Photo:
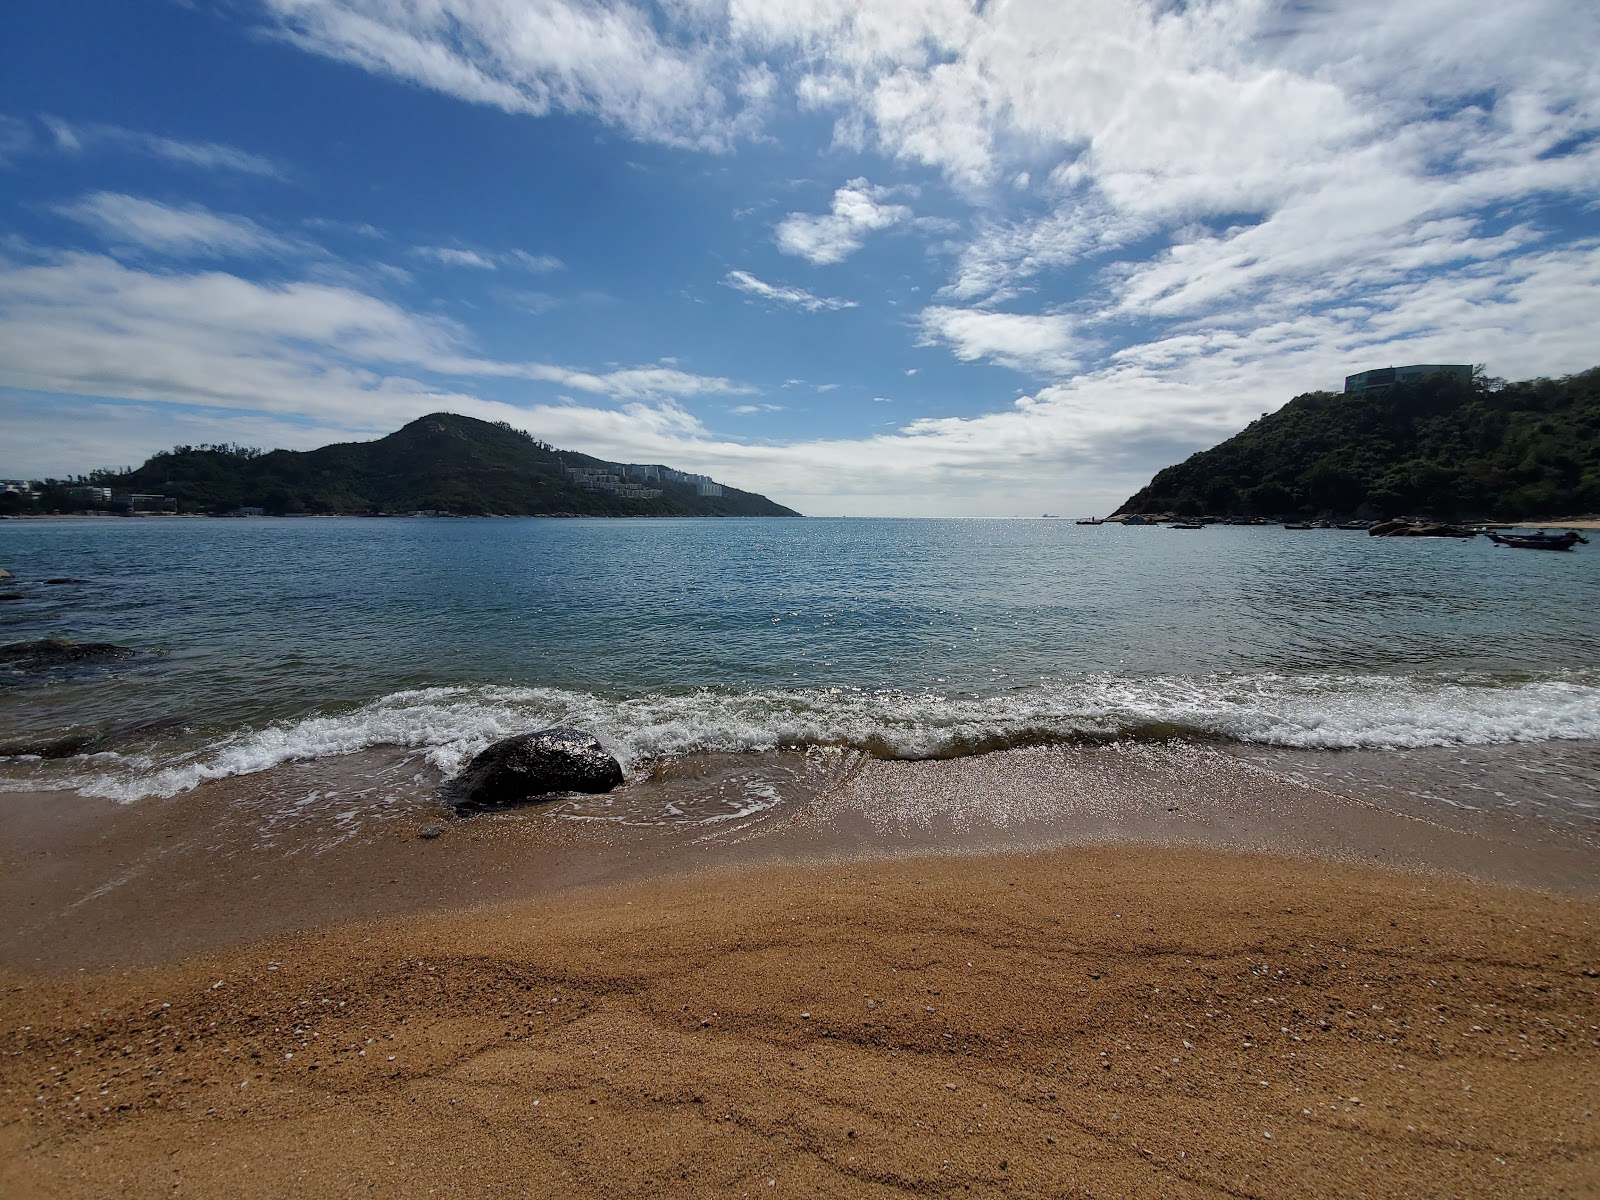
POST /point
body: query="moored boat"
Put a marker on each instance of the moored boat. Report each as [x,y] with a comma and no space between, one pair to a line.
[1539,541]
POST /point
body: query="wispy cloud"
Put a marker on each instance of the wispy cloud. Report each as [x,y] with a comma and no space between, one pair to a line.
[611,60]
[745,282]
[88,325]
[79,137]
[858,209]
[485,260]
[451,256]
[189,231]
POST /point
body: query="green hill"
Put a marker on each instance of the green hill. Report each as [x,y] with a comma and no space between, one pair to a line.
[442,462]
[1440,447]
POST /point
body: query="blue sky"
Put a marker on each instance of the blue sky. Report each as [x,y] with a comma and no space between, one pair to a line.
[903,257]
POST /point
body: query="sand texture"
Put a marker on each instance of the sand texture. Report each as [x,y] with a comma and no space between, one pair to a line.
[1093,1021]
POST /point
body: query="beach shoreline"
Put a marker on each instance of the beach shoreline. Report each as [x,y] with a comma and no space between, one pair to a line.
[100,885]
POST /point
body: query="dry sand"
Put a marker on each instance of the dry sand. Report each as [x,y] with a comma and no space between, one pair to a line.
[1111,1021]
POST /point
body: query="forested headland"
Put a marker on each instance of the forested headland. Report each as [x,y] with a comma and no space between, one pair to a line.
[1453,449]
[442,463]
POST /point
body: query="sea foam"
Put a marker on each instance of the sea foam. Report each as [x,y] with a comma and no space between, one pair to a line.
[445,726]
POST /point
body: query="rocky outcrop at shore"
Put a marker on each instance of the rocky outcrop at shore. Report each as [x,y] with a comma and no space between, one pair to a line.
[58,652]
[534,766]
[1403,528]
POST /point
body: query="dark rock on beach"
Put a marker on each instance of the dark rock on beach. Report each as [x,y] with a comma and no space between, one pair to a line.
[84,741]
[533,766]
[57,652]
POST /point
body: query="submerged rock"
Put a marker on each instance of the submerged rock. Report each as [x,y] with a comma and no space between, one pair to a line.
[533,766]
[56,652]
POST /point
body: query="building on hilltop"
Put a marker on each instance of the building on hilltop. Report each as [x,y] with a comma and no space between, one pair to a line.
[1386,376]
[622,479]
[602,479]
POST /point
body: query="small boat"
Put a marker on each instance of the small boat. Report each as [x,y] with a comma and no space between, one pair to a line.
[1539,541]
[1090,521]
[1297,525]
[1355,525]
[1186,525]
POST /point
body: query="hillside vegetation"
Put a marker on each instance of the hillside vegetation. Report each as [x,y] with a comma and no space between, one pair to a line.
[443,462]
[1438,447]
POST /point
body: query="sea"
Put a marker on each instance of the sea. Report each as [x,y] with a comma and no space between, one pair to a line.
[713,655]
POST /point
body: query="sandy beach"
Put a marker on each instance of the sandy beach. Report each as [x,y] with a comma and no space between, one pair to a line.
[1148,991]
[1107,1021]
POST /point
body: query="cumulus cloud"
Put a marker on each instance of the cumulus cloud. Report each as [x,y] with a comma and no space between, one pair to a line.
[189,231]
[1039,344]
[745,282]
[858,209]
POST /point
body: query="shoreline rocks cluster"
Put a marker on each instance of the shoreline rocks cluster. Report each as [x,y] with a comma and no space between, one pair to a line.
[1400,527]
[58,652]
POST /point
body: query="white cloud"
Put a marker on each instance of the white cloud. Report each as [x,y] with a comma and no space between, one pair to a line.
[798,297]
[451,256]
[484,260]
[77,137]
[87,325]
[605,59]
[1037,344]
[858,209]
[190,231]
[539,264]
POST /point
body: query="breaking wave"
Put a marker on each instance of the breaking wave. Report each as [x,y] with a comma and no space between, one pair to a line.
[444,726]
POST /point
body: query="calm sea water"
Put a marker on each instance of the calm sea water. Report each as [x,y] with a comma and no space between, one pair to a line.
[267,641]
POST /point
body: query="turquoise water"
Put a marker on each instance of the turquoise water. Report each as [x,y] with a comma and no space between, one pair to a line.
[265,641]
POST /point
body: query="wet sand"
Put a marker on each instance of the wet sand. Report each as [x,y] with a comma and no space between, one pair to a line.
[96,885]
[1119,972]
